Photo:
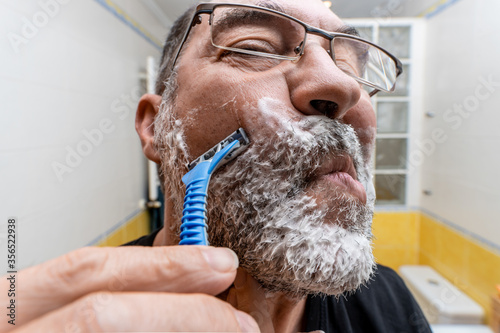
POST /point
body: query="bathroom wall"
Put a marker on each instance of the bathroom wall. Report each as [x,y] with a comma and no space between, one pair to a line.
[470,265]
[455,226]
[396,238]
[71,164]
[462,80]
[134,228]
[415,238]
[70,86]
[421,7]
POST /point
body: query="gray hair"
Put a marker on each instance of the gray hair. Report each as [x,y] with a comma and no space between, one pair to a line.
[172,43]
[166,81]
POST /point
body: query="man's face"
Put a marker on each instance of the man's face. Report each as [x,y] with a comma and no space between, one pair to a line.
[299,193]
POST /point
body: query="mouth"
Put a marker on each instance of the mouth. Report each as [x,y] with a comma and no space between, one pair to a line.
[340,163]
[340,173]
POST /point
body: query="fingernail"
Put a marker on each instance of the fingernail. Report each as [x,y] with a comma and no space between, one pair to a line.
[247,323]
[221,259]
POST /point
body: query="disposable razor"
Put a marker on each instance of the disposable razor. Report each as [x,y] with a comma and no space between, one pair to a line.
[194,220]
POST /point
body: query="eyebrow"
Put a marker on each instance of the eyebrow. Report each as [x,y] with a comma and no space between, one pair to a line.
[349,30]
[345,29]
[239,17]
[229,21]
[271,5]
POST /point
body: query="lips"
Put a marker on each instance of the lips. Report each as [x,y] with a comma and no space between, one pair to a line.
[340,163]
[340,172]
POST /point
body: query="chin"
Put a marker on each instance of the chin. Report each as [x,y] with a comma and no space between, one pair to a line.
[297,247]
[294,232]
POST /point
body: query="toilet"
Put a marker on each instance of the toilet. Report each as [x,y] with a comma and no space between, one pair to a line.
[446,308]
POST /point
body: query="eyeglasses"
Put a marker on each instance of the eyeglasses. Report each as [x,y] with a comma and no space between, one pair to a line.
[259,38]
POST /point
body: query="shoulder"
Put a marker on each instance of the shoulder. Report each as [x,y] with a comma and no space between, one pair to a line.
[387,278]
[389,303]
[384,304]
[386,290]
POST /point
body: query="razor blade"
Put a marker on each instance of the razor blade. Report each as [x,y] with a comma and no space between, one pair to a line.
[194,213]
[238,135]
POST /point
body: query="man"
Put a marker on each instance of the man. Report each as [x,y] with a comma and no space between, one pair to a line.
[295,206]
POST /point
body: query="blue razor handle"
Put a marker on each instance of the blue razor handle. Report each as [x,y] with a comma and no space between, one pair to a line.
[194,226]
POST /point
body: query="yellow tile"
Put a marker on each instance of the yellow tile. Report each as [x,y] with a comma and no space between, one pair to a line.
[114,239]
[392,216]
[430,237]
[414,224]
[395,257]
[483,269]
[454,251]
[413,256]
[143,226]
[425,259]
[467,264]
[394,229]
[138,226]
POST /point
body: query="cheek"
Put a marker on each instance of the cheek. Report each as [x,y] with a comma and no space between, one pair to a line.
[206,108]
[215,104]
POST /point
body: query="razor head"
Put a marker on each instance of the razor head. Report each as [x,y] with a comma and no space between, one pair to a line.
[238,135]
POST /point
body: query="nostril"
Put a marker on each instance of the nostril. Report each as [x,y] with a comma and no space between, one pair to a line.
[328,108]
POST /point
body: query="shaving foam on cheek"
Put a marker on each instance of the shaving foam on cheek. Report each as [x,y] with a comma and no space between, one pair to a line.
[304,134]
[288,240]
[276,111]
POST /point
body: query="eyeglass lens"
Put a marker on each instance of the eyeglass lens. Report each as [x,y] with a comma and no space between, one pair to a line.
[254,31]
[365,61]
[261,39]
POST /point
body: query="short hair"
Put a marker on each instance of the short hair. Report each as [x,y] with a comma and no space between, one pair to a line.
[172,43]
[166,74]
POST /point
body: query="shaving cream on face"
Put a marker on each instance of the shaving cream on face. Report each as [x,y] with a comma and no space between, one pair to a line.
[284,237]
[170,143]
[276,112]
[257,205]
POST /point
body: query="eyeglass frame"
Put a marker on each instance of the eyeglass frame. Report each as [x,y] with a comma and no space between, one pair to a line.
[208,8]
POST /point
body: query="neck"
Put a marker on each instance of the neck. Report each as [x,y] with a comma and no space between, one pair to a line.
[166,236]
[274,312]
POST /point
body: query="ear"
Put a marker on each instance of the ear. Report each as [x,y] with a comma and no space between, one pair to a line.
[144,124]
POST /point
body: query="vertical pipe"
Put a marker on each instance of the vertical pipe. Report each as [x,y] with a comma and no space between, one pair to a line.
[153,181]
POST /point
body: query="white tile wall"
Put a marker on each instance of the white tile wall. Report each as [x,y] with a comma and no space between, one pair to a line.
[79,69]
[414,7]
[462,49]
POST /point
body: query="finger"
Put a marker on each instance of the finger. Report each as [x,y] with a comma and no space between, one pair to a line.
[182,269]
[144,312]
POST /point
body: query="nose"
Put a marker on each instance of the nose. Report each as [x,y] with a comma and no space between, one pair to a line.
[318,86]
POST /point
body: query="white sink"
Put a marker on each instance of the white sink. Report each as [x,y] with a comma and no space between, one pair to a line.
[460,329]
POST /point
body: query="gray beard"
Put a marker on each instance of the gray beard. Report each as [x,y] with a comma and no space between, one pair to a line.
[257,206]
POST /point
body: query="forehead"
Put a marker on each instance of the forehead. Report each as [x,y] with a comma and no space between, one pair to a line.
[312,12]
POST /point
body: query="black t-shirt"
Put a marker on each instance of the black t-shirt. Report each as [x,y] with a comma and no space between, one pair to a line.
[385,305]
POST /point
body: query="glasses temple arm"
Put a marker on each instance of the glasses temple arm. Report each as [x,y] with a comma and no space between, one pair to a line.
[194,21]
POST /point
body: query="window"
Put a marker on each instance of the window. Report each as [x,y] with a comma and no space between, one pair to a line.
[394,133]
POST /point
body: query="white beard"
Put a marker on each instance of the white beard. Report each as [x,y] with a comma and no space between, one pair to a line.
[257,206]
